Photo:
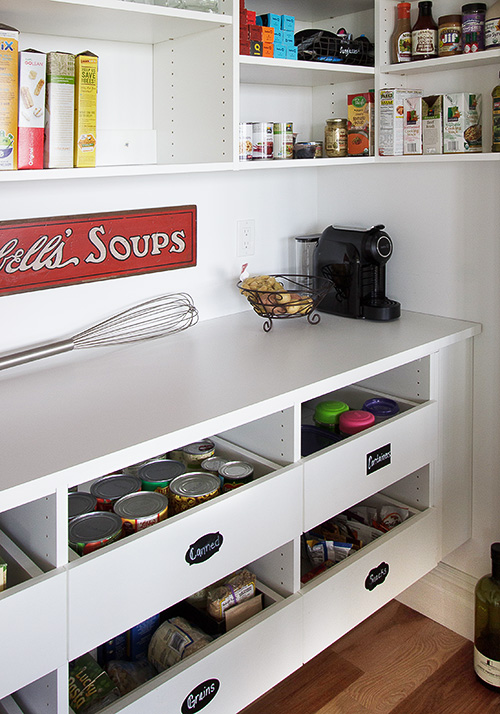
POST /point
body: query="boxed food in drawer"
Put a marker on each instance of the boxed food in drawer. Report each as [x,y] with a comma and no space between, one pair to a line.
[189,666]
[174,558]
[349,591]
[358,466]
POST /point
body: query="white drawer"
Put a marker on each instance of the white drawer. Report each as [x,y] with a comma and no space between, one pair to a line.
[368,462]
[341,598]
[126,582]
[33,621]
[239,667]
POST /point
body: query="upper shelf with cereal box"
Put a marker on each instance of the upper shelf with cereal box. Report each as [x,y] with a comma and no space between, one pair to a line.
[120,20]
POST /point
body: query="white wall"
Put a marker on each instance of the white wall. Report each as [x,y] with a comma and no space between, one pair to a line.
[445,223]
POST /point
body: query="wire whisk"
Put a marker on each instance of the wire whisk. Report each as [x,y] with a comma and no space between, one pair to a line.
[158,317]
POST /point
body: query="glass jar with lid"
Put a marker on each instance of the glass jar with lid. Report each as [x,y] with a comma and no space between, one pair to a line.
[336,137]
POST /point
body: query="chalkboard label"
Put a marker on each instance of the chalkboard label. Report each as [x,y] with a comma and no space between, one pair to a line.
[204,548]
[376,576]
[377,459]
[200,696]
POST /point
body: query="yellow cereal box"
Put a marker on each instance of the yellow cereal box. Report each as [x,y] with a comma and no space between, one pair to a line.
[85,109]
[9,60]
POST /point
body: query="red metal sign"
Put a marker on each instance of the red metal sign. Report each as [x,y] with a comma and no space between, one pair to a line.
[49,252]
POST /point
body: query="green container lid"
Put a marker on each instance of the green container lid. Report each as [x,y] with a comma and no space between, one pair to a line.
[328,412]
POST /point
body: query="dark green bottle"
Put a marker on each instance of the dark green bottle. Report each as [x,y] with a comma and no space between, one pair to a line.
[487,624]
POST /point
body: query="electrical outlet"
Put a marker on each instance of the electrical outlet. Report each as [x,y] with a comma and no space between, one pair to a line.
[245,237]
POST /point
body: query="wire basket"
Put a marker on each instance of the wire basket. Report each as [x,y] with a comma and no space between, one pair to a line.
[324,46]
[285,297]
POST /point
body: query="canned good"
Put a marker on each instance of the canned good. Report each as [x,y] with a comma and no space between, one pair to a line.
[134,469]
[156,475]
[212,465]
[308,150]
[262,140]
[109,489]
[190,489]
[91,531]
[336,137]
[283,140]
[80,502]
[140,510]
[235,473]
[193,454]
[245,141]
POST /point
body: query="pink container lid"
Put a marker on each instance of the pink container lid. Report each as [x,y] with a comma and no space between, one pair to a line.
[355,420]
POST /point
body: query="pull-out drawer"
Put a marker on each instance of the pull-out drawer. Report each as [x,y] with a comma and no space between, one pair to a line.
[350,591]
[128,581]
[33,617]
[368,462]
[230,672]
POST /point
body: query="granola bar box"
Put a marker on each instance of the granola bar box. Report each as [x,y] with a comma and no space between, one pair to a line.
[59,110]
[31,116]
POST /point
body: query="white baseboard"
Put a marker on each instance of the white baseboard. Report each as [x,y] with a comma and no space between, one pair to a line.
[446,595]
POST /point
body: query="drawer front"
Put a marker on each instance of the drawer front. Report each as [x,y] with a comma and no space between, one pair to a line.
[33,619]
[364,464]
[251,660]
[364,582]
[127,582]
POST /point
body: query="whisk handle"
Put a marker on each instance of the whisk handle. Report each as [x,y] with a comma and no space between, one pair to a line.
[17,358]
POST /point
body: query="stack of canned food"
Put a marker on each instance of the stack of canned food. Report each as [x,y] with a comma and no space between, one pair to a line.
[267,140]
[143,494]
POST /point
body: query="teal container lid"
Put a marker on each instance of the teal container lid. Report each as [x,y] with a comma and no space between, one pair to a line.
[328,412]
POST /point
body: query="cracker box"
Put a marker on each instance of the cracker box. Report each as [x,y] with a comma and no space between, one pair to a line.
[462,130]
[360,124]
[85,109]
[391,115]
[31,117]
[59,110]
[9,60]
[412,126]
[432,124]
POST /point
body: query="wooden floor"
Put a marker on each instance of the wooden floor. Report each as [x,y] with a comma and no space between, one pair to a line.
[396,662]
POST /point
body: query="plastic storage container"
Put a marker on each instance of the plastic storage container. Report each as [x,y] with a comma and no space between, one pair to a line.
[381,408]
[326,414]
[354,421]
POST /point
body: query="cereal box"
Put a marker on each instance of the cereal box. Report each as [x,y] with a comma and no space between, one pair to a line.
[59,110]
[462,130]
[412,125]
[3,574]
[432,124]
[31,117]
[391,128]
[360,124]
[9,58]
[85,109]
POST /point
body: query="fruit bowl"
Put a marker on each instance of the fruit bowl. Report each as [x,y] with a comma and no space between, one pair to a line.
[282,297]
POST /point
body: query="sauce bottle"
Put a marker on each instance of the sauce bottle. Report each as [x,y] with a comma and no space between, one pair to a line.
[401,37]
[424,33]
[492,26]
[495,126]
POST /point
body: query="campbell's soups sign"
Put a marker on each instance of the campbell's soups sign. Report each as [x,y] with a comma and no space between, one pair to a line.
[49,252]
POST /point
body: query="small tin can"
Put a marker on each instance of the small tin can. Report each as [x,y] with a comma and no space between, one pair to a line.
[262,140]
[156,475]
[283,140]
[336,137]
[109,489]
[80,502]
[212,465]
[193,454]
[133,469]
[91,531]
[235,473]
[245,141]
[140,510]
[190,489]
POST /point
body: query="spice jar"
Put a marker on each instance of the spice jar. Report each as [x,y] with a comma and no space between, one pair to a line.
[336,137]
[449,35]
[473,18]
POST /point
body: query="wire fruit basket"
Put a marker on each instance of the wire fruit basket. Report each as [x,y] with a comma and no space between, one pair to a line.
[284,297]
[324,46]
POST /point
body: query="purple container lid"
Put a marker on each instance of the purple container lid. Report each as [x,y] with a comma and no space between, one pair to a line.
[381,407]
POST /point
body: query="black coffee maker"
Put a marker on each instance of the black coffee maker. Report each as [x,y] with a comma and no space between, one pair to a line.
[354,259]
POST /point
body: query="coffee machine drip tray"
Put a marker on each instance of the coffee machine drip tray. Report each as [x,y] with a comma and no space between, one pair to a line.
[354,260]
